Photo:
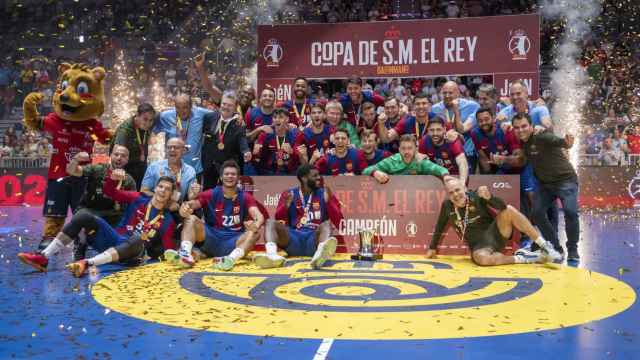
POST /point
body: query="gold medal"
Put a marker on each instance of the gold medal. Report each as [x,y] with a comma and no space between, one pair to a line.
[280,162]
[144,236]
[304,220]
[220,146]
[151,234]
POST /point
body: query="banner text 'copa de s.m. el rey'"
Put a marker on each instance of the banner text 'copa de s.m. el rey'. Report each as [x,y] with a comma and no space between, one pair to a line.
[501,46]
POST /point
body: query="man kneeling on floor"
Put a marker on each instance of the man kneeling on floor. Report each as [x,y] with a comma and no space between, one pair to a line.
[303,222]
[146,228]
[486,235]
[231,223]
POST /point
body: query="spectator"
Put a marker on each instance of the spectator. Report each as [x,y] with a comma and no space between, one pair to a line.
[610,155]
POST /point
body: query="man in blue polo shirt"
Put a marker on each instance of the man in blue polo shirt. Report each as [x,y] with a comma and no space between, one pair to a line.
[184,121]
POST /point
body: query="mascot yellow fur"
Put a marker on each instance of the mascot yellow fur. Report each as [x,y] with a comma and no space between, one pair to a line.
[78,102]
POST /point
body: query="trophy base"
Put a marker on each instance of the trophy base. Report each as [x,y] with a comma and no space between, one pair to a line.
[372,257]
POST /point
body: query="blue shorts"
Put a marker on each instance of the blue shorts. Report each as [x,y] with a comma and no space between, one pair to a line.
[60,195]
[218,243]
[105,236]
[301,242]
[528,181]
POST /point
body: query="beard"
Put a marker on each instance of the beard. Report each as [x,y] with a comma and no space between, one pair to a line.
[312,184]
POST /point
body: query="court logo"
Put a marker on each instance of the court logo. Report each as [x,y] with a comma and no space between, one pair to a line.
[519,44]
[400,297]
[272,53]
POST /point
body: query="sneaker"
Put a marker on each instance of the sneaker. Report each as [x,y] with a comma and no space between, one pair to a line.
[572,255]
[36,260]
[180,259]
[225,264]
[526,244]
[530,257]
[265,261]
[324,251]
[78,268]
[553,254]
[527,252]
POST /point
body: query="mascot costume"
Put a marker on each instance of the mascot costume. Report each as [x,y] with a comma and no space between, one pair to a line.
[73,125]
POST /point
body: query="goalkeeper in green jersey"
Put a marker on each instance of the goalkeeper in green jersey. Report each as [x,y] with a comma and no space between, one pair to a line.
[407,162]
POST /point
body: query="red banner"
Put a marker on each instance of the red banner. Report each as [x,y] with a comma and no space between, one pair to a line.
[415,48]
[404,211]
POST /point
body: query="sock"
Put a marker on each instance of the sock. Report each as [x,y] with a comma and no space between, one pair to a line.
[272,248]
[100,259]
[540,241]
[186,246]
[54,247]
[236,254]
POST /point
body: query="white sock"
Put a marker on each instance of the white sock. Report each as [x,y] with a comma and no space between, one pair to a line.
[540,241]
[186,246]
[236,254]
[271,247]
[100,259]
[54,247]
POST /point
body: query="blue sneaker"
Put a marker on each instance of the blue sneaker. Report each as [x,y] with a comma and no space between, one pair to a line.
[525,243]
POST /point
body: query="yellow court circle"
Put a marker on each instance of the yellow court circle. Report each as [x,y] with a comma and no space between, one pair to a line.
[401,297]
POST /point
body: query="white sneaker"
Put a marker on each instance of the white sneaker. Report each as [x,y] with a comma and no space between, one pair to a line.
[530,257]
[268,261]
[552,253]
[324,251]
[179,259]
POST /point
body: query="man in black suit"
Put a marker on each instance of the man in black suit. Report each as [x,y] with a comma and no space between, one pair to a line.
[224,139]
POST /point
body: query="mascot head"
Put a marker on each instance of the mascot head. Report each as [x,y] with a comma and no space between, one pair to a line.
[79,93]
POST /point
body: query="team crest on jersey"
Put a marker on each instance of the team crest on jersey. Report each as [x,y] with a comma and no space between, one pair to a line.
[325,143]
[349,166]
[316,206]
[445,155]
[236,209]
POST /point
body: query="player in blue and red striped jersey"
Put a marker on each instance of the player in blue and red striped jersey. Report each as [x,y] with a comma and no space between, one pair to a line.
[316,138]
[343,160]
[416,125]
[369,146]
[276,153]
[231,223]
[299,107]
[449,155]
[354,98]
[498,149]
[303,222]
[259,119]
[369,120]
[147,227]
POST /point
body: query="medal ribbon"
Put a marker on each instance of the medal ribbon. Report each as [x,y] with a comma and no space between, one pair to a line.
[464,223]
[305,204]
[300,115]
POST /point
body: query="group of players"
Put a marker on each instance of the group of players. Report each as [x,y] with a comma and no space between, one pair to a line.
[300,137]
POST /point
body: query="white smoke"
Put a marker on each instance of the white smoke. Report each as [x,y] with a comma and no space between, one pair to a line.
[569,82]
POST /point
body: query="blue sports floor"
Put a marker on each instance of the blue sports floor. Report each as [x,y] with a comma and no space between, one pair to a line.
[401,308]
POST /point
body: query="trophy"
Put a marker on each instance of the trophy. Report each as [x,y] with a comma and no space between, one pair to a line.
[370,246]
